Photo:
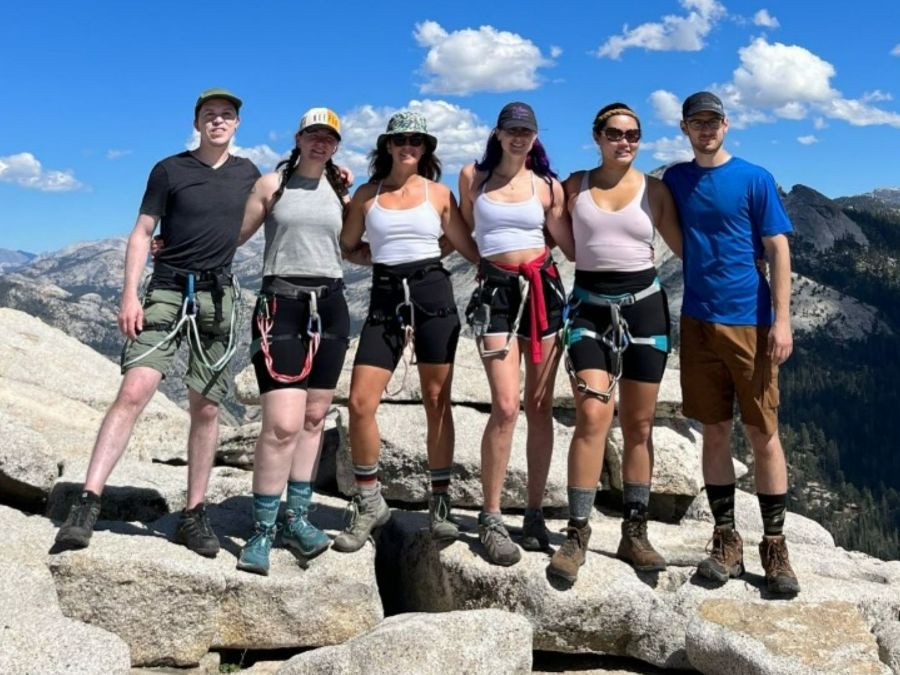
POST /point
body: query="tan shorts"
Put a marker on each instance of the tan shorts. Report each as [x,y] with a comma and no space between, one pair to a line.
[720,363]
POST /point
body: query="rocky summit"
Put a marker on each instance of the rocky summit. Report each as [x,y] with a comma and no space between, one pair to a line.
[136,602]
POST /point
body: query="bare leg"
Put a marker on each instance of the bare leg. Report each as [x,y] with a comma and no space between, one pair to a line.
[768,457]
[305,462]
[202,439]
[436,379]
[593,419]
[637,408]
[717,466]
[539,383]
[366,387]
[137,388]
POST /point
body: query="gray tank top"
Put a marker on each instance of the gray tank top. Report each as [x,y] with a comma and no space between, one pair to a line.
[303,231]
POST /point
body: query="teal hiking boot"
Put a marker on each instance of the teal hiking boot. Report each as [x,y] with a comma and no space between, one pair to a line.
[302,536]
[442,526]
[255,554]
[366,513]
[79,526]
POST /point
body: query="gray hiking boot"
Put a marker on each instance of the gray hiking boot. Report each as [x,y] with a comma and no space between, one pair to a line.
[496,541]
[569,557]
[79,526]
[366,513]
[442,527]
[535,536]
[195,532]
[726,555]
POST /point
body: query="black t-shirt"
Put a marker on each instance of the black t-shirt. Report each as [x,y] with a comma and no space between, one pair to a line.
[200,208]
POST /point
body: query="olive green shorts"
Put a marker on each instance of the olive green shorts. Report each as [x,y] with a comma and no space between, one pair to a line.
[162,310]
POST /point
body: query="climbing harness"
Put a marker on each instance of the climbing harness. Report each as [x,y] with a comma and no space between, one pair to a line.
[190,283]
[616,338]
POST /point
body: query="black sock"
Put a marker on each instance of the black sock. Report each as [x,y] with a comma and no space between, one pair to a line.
[772,508]
[721,501]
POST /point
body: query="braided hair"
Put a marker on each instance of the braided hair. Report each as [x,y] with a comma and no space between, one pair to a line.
[612,110]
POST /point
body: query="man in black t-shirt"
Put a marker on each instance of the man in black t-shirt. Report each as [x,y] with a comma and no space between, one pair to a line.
[198,199]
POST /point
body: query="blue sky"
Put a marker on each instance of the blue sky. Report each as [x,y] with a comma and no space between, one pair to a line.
[94,93]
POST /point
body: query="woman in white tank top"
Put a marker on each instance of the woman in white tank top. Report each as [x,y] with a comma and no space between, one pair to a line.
[511,199]
[616,334]
[410,221]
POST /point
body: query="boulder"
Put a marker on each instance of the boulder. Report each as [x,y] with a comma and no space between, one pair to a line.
[27,466]
[144,491]
[404,462]
[479,641]
[172,606]
[797,638]
[65,397]
[887,633]
[611,608]
[36,637]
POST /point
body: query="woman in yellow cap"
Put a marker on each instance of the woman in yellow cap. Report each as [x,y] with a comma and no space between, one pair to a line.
[300,329]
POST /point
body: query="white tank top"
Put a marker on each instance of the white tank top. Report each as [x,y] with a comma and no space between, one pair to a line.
[501,227]
[403,235]
[607,241]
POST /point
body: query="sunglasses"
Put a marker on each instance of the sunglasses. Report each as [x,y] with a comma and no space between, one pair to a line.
[615,135]
[415,140]
[702,125]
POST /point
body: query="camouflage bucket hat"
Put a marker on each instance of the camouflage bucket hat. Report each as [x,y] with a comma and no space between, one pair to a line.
[407,122]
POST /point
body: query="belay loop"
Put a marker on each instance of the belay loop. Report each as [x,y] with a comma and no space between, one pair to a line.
[408,328]
[265,320]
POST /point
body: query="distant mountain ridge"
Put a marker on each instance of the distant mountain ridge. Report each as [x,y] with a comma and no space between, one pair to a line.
[10,259]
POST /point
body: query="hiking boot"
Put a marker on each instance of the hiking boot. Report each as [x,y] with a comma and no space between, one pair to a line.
[195,532]
[302,536]
[569,557]
[496,540]
[367,512]
[726,555]
[255,554]
[780,576]
[635,548]
[442,527]
[79,526]
[535,536]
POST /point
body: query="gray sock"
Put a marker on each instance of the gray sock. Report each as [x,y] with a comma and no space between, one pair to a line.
[635,499]
[581,501]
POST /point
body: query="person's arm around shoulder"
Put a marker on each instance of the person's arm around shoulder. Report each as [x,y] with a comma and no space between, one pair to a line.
[131,313]
[781,341]
[455,228]
[352,246]
[558,222]
[467,178]
[665,215]
[259,201]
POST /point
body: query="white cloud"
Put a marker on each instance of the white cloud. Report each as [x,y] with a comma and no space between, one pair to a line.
[113,154]
[791,111]
[876,95]
[772,75]
[674,149]
[896,50]
[555,52]
[859,114]
[483,59]
[262,155]
[461,135]
[667,106]
[820,123]
[807,140]
[672,33]
[24,170]
[764,19]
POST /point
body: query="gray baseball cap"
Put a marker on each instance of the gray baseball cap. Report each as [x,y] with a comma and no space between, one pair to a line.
[217,92]
[702,101]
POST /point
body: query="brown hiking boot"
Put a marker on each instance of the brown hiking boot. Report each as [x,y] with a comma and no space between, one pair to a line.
[570,556]
[726,555]
[780,576]
[636,549]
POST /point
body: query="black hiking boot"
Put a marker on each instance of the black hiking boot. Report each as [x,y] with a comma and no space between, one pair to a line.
[79,526]
[195,532]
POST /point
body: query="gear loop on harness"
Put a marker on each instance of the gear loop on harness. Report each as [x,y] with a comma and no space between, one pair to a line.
[617,337]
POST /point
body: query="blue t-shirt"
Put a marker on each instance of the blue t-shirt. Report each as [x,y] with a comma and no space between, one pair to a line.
[725,212]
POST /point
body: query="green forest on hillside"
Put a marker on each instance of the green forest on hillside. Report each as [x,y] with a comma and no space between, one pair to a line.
[839,399]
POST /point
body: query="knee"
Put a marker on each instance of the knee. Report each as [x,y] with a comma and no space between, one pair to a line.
[362,405]
[539,409]
[636,432]
[593,420]
[281,435]
[436,398]
[505,411]
[718,435]
[314,421]
[204,411]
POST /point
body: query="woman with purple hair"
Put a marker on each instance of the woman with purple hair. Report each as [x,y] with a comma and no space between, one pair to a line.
[512,199]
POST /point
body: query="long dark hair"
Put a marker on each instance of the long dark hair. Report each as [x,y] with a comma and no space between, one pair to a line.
[287,167]
[381,162]
[537,160]
[606,112]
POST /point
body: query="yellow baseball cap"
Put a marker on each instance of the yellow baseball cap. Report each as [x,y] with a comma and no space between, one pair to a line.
[321,117]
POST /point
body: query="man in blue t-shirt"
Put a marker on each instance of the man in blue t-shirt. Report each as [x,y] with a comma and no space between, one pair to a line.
[735,330]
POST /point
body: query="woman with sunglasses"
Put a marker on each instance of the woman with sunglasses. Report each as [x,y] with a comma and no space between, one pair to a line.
[408,219]
[616,334]
[511,198]
[300,329]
